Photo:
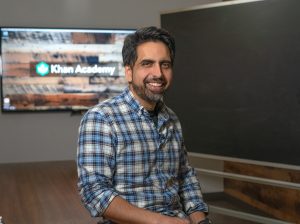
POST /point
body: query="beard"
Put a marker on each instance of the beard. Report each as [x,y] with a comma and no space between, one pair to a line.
[146,93]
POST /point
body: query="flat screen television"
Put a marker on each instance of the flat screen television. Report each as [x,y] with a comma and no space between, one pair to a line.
[46,69]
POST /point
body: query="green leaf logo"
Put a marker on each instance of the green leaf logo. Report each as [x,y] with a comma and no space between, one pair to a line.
[42,68]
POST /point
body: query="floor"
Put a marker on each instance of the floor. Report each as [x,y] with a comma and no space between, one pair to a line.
[41,193]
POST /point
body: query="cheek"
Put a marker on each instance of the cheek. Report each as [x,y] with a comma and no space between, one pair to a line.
[140,77]
[169,77]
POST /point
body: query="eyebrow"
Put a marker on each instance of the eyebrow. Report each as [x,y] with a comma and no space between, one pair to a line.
[147,60]
[164,61]
[152,61]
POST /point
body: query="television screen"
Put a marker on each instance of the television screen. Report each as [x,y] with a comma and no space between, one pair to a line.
[60,69]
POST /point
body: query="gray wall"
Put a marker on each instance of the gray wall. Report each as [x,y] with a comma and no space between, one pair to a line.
[26,137]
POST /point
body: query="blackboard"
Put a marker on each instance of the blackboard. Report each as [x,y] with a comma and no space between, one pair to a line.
[236,86]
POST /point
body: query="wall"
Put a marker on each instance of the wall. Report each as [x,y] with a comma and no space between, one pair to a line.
[26,137]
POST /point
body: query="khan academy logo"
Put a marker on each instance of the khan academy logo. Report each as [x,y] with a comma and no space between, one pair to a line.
[42,68]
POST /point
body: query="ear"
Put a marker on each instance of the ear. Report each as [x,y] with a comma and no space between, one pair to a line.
[128,73]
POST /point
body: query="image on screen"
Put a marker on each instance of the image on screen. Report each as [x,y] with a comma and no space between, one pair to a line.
[60,69]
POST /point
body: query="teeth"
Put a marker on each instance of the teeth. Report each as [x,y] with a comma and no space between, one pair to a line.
[155,84]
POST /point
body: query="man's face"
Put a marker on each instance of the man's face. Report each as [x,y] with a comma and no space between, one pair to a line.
[151,74]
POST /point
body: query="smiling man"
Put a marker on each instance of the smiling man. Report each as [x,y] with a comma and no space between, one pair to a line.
[132,162]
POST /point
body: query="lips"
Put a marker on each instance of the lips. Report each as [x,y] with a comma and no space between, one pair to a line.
[155,87]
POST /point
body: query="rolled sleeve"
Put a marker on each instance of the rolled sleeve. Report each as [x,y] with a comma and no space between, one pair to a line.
[190,190]
[96,162]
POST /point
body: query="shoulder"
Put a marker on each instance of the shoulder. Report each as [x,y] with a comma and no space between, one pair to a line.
[106,110]
[173,116]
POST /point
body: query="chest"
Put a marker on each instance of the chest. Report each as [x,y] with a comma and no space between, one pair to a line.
[143,147]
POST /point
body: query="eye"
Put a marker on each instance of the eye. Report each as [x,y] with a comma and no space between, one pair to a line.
[166,65]
[146,63]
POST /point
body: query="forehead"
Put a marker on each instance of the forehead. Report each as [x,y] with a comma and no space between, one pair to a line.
[155,49]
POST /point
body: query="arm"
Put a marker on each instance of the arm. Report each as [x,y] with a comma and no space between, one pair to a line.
[95,163]
[120,211]
[190,191]
[196,217]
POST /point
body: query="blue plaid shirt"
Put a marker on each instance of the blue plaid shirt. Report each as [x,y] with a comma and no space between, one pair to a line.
[121,152]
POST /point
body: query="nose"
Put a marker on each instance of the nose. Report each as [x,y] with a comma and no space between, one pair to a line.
[157,70]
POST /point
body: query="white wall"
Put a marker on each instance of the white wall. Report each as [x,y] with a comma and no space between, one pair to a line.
[26,137]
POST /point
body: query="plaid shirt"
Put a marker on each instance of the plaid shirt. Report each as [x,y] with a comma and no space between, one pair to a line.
[121,152]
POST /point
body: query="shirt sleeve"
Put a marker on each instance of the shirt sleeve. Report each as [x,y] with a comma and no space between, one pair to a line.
[96,162]
[190,190]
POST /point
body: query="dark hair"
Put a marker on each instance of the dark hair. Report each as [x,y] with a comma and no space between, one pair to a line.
[132,41]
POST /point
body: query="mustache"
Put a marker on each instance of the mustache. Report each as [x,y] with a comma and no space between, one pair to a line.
[159,80]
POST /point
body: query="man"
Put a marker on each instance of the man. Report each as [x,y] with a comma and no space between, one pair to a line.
[132,162]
